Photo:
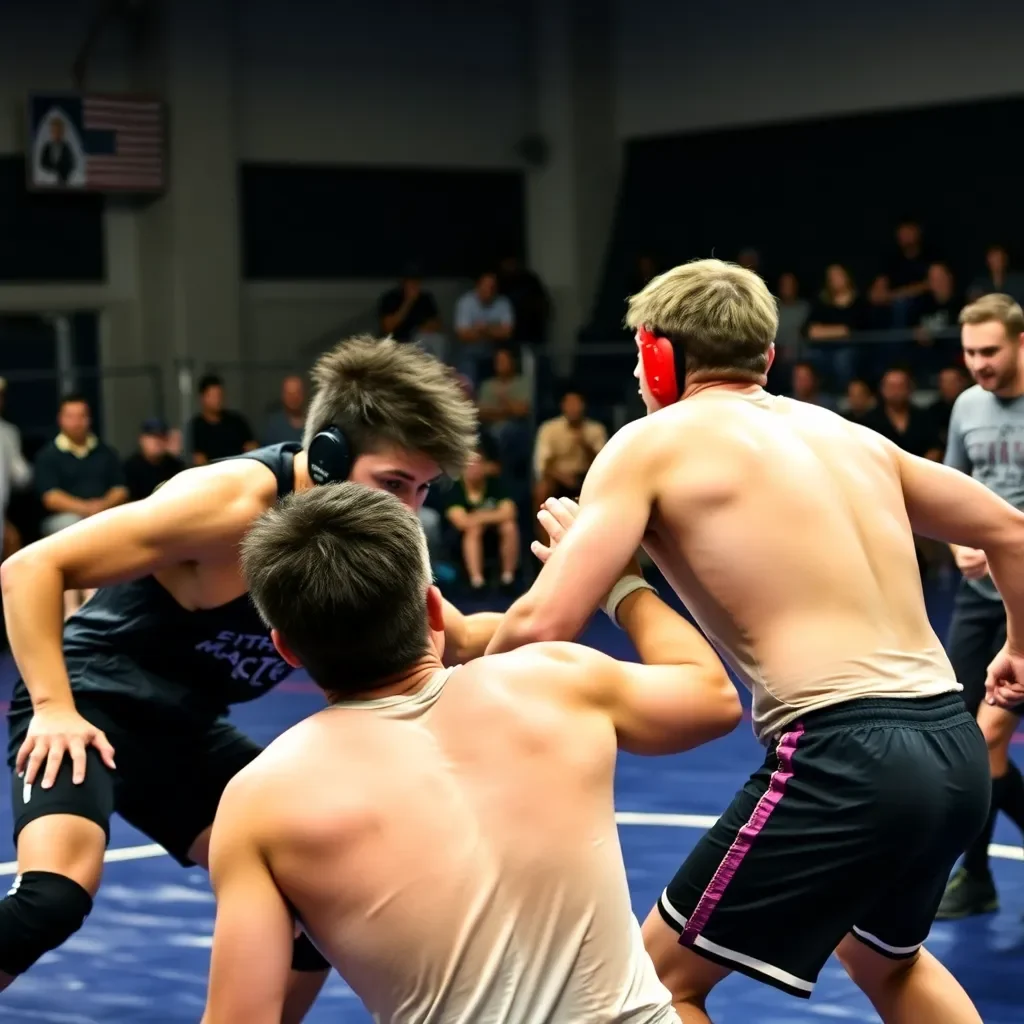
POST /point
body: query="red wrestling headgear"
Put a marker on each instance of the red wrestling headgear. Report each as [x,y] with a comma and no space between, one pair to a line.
[658,357]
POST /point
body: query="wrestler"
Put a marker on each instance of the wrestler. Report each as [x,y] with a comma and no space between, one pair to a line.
[788,534]
[446,838]
[146,670]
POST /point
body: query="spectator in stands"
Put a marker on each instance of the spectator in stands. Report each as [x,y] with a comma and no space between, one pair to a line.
[939,307]
[483,319]
[565,448]
[216,432]
[504,399]
[531,307]
[877,311]
[999,278]
[793,313]
[805,385]
[17,474]
[907,272]
[903,423]
[408,310]
[860,401]
[953,381]
[480,509]
[287,423]
[749,259]
[151,464]
[836,315]
[77,475]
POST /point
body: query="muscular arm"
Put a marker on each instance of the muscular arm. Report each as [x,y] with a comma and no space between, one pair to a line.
[949,506]
[680,698]
[615,507]
[253,937]
[193,515]
[466,636]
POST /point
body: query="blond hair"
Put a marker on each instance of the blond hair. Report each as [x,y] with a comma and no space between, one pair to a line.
[722,316]
[996,308]
[380,392]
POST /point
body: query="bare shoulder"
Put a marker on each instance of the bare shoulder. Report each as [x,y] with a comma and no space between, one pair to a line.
[558,670]
[237,480]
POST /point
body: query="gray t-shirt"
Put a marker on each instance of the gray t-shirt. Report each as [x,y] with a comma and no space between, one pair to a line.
[986,439]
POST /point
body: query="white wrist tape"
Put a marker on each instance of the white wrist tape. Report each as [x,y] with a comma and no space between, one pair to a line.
[626,586]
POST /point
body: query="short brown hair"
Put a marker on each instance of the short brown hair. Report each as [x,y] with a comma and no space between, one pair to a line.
[341,571]
[380,392]
[722,316]
[996,308]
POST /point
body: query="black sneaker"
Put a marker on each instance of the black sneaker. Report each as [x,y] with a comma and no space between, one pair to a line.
[967,895]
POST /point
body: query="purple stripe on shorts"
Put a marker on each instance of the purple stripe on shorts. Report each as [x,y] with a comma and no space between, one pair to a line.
[744,838]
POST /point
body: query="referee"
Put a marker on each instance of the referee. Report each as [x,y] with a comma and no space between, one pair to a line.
[986,439]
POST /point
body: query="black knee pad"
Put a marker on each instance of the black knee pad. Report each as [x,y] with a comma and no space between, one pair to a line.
[306,957]
[41,912]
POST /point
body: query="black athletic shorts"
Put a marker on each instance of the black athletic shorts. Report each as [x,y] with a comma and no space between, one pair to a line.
[977,633]
[169,778]
[852,825]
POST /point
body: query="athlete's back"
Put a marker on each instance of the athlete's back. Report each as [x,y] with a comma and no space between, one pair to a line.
[764,482]
[478,876]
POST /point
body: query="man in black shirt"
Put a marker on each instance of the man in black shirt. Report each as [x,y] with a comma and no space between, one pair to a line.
[217,433]
[898,419]
[408,310]
[152,463]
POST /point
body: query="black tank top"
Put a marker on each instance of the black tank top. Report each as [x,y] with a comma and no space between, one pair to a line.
[134,642]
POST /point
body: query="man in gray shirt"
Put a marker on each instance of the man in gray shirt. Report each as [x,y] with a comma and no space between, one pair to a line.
[986,439]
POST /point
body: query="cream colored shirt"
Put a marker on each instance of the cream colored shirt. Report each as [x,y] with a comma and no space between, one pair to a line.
[558,451]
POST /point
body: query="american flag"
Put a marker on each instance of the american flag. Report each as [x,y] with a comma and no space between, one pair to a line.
[124,144]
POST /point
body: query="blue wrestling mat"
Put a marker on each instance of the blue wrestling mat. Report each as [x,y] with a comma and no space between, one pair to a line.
[142,956]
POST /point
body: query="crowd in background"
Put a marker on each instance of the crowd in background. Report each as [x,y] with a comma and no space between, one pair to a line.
[902,386]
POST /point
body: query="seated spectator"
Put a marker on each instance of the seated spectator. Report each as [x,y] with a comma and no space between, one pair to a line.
[805,386]
[289,421]
[877,311]
[793,313]
[504,404]
[152,463]
[565,449]
[860,401]
[77,475]
[999,277]
[216,432]
[479,508]
[898,419]
[953,381]
[531,307]
[939,307]
[483,319]
[407,310]
[836,315]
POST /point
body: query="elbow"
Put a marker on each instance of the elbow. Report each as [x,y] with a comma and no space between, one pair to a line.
[728,710]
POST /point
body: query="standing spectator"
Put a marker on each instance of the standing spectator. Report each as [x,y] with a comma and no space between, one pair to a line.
[564,450]
[152,463]
[288,422]
[408,310]
[903,423]
[793,313]
[483,318]
[908,270]
[531,306]
[999,279]
[481,511]
[216,432]
[77,475]
[17,476]
[836,315]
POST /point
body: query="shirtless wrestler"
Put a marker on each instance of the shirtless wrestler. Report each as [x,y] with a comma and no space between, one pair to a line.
[788,533]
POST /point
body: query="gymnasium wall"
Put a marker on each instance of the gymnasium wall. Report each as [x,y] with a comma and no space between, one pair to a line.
[680,67]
